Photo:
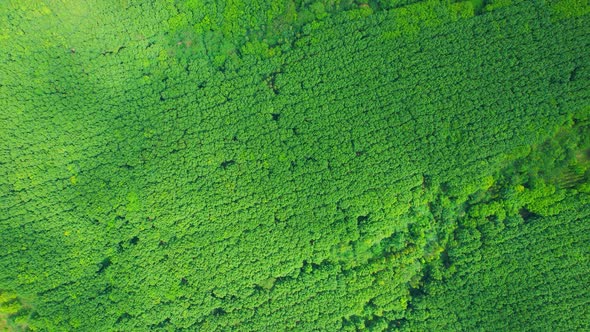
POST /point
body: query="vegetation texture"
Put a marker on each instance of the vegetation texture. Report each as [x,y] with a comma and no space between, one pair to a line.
[248,165]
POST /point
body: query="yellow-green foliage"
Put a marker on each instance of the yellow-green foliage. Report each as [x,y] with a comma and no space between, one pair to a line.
[293,165]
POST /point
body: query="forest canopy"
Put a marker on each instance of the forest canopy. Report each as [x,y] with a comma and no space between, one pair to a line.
[238,165]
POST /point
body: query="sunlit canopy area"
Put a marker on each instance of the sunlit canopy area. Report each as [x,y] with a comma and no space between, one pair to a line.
[248,165]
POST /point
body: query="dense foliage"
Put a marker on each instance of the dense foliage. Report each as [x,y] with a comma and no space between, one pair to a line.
[294,165]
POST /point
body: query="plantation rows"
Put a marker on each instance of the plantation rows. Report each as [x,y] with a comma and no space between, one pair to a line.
[308,184]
